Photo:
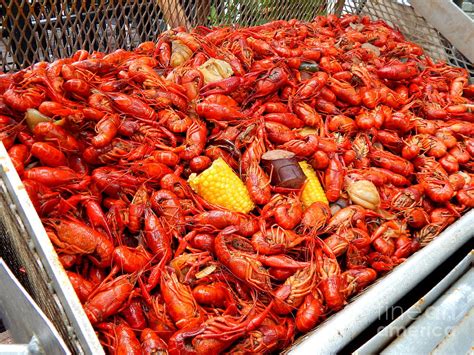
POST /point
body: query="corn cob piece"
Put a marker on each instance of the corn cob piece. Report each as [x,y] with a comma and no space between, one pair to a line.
[312,191]
[219,185]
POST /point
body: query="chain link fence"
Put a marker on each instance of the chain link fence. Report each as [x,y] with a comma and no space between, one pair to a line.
[33,31]
[401,15]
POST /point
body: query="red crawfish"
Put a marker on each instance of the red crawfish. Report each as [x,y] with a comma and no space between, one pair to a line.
[50,132]
[195,140]
[275,240]
[106,129]
[434,180]
[290,295]
[315,217]
[391,162]
[217,333]
[181,305]
[74,237]
[334,179]
[310,312]
[353,215]
[131,106]
[217,112]
[158,240]
[48,154]
[19,154]
[302,146]
[278,133]
[152,343]
[216,294]
[258,184]
[129,260]
[308,115]
[357,279]
[135,315]
[288,119]
[330,275]
[82,286]
[167,205]
[217,220]
[268,337]
[287,211]
[398,71]
[269,83]
[176,122]
[108,299]
[313,86]
[21,100]
[122,338]
[237,253]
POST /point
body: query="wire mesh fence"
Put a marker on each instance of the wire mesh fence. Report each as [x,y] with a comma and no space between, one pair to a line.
[33,31]
[36,30]
[401,15]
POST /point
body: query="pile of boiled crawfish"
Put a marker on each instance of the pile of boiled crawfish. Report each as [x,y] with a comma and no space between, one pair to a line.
[104,144]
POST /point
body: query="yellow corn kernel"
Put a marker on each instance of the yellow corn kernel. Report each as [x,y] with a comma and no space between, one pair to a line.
[219,185]
[313,191]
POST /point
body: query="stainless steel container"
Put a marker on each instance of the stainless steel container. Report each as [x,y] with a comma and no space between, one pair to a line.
[30,248]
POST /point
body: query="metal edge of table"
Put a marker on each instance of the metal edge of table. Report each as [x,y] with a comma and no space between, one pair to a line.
[60,281]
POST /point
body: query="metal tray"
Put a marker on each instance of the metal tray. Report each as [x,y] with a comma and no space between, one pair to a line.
[329,337]
[441,322]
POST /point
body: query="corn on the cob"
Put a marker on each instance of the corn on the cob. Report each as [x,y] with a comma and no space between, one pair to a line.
[219,185]
[312,191]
